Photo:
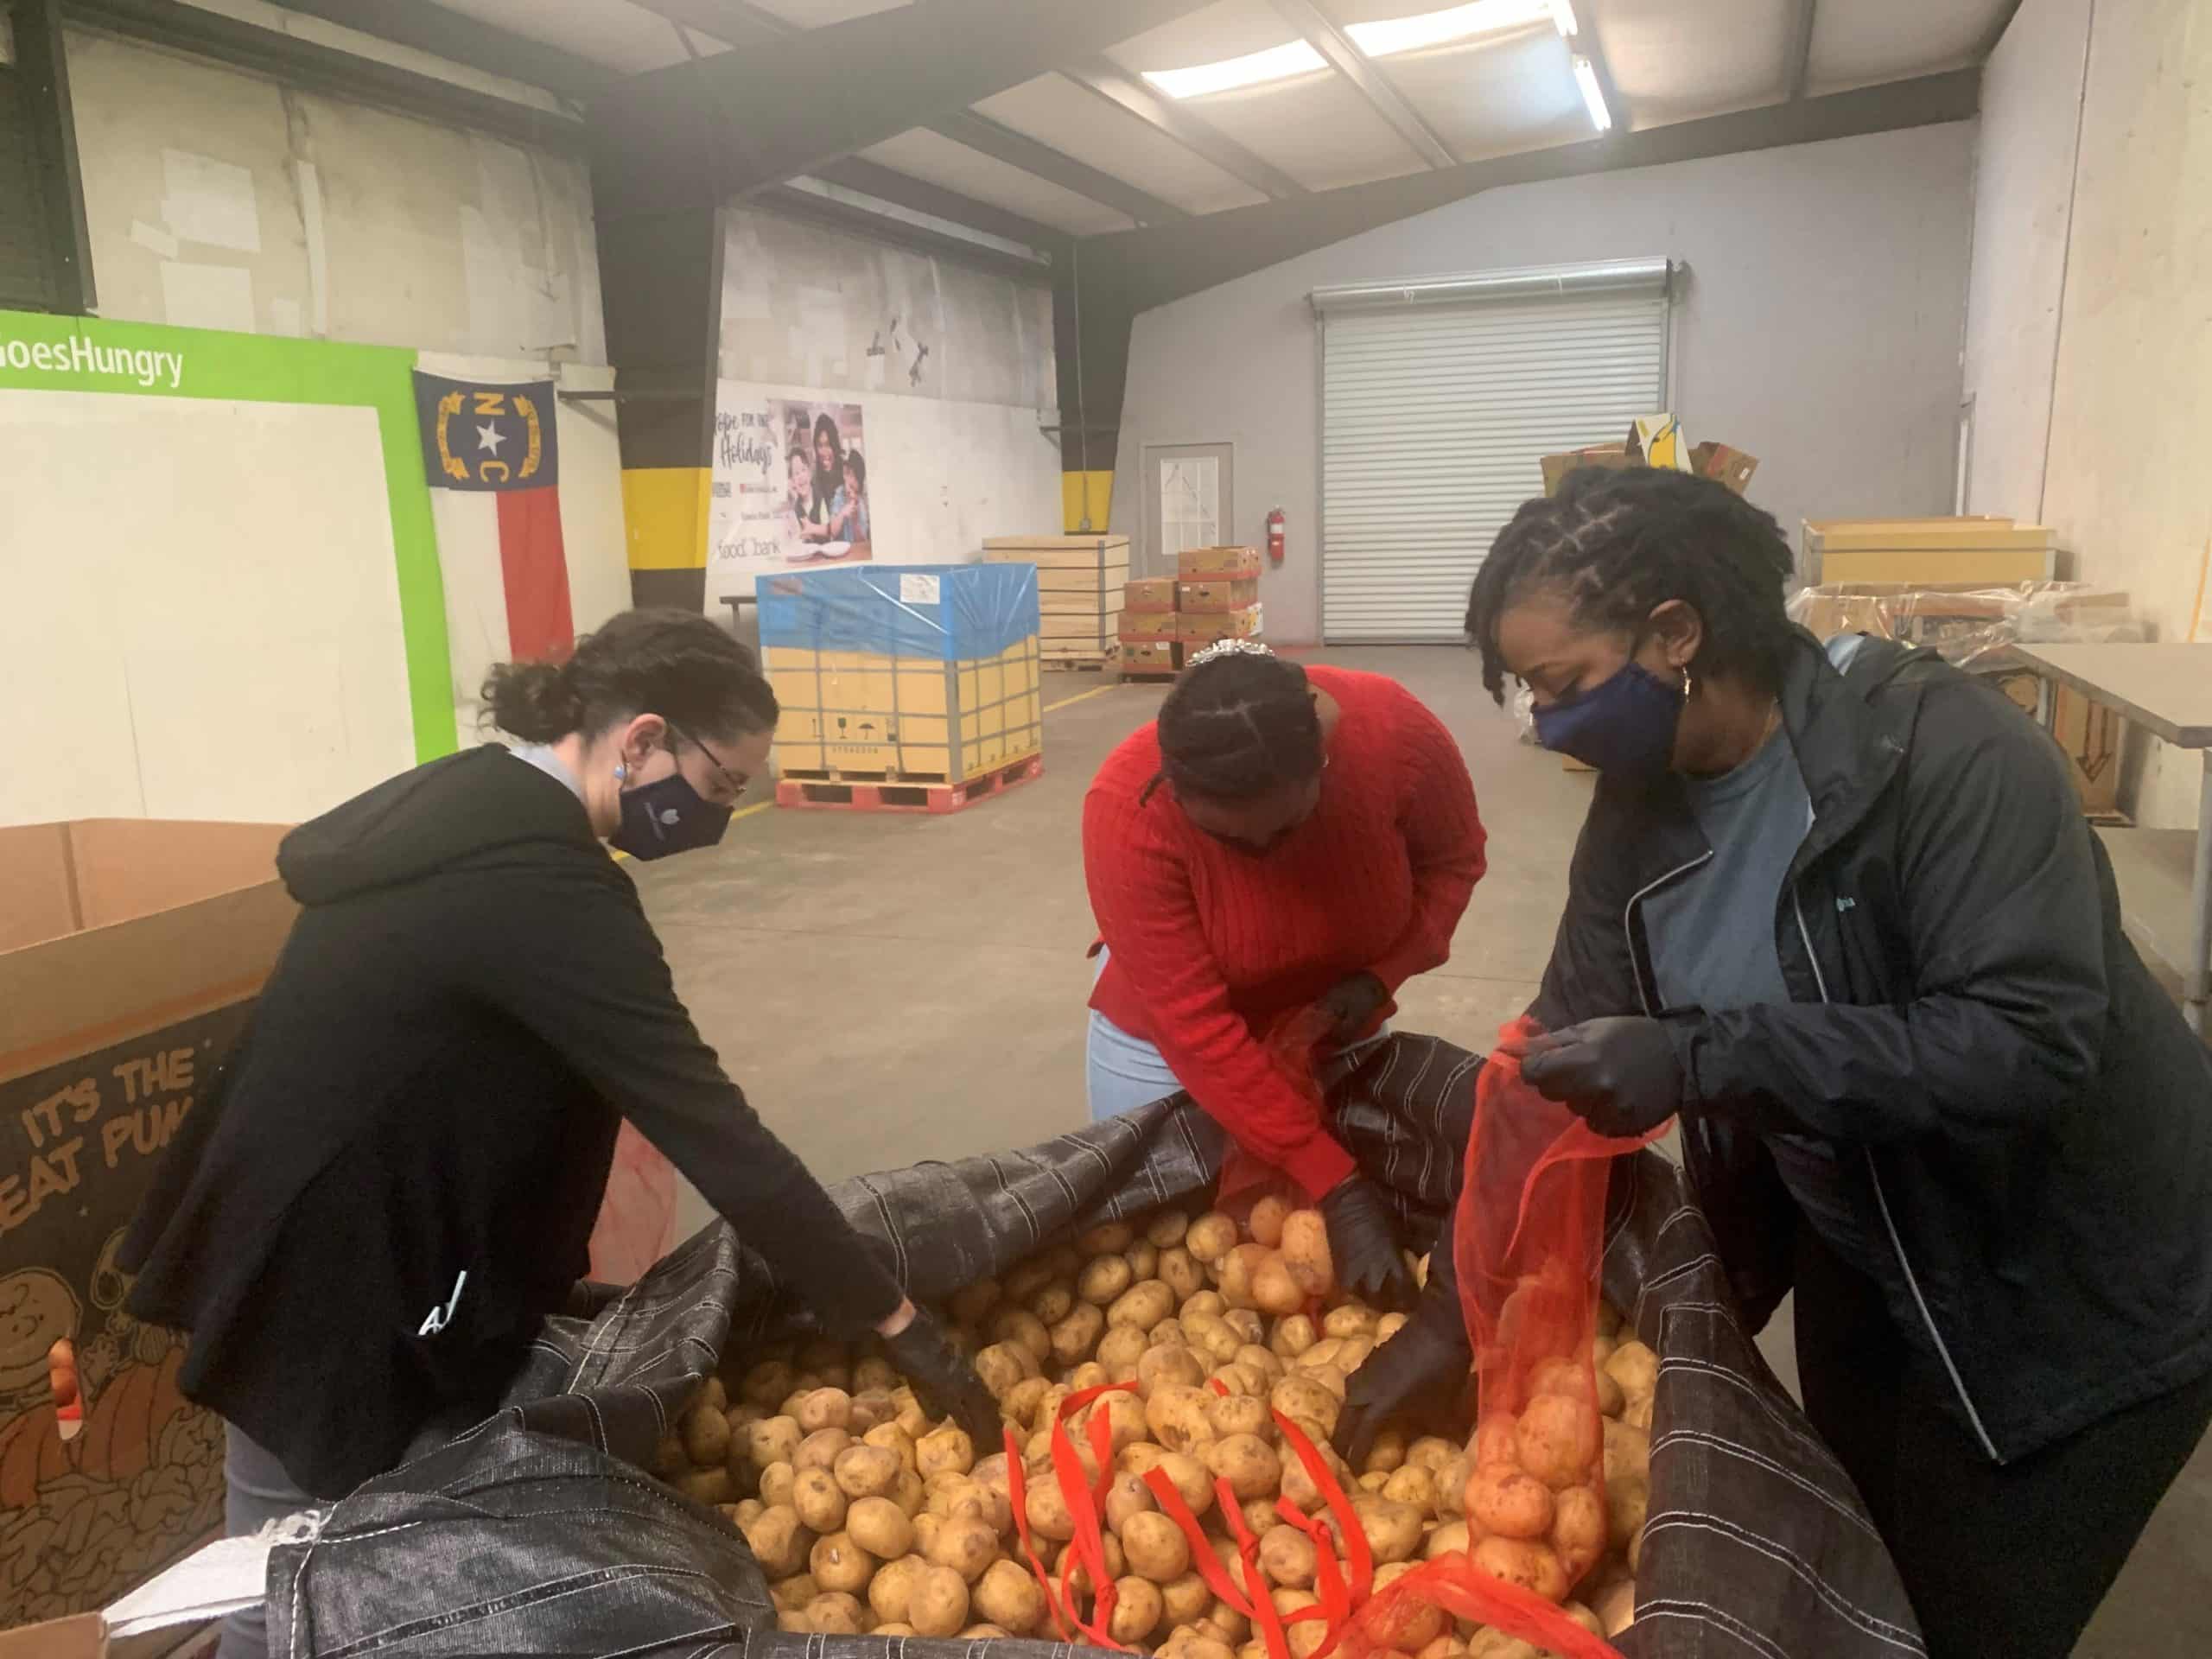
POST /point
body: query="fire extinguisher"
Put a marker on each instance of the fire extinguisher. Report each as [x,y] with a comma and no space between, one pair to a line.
[1275,536]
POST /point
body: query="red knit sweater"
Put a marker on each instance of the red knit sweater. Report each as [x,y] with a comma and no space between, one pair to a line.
[1210,943]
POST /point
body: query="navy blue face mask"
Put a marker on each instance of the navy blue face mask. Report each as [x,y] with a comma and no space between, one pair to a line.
[668,816]
[1624,725]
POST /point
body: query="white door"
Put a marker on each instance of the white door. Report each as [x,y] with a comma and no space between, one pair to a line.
[1188,498]
[1435,419]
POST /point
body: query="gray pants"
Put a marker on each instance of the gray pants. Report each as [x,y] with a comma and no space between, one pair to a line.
[258,1491]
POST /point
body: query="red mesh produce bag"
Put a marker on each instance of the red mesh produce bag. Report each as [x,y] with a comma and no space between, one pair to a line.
[1528,1241]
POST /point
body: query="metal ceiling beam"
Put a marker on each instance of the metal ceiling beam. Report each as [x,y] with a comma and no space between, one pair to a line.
[1003,143]
[791,202]
[734,23]
[1332,44]
[1801,46]
[1102,76]
[461,39]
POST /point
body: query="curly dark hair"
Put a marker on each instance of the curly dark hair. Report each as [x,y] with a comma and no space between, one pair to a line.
[1620,542]
[1237,726]
[678,665]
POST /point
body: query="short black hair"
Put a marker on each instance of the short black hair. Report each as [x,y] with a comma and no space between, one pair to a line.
[1621,541]
[680,665]
[1237,726]
[856,464]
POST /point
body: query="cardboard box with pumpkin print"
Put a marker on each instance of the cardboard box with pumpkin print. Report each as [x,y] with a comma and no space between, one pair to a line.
[130,951]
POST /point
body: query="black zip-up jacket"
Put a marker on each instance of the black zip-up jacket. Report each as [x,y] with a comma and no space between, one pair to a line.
[397,1176]
[1967,1017]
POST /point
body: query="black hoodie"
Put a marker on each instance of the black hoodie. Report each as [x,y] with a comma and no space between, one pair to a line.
[397,1176]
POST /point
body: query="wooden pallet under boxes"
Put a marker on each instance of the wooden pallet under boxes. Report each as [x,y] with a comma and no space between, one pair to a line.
[1079,582]
[918,674]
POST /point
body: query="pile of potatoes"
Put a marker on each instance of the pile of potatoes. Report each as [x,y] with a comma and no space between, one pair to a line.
[868,1517]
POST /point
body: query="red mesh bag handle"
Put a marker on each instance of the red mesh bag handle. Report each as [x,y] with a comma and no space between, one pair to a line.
[1317,1469]
[1083,1504]
[1017,1491]
[1247,1550]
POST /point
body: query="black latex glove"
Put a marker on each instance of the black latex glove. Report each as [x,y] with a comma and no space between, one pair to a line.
[1419,1373]
[1364,1245]
[945,1383]
[1352,1002]
[1619,1075]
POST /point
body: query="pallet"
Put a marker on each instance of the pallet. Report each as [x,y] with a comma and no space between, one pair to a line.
[858,797]
[1077,664]
[1149,676]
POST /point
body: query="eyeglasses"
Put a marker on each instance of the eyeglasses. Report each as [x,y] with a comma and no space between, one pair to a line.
[732,779]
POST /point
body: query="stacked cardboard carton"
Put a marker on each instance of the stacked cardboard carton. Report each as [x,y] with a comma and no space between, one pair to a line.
[1149,642]
[1216,595]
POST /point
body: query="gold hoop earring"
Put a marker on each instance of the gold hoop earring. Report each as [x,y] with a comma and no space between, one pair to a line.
[1689,686]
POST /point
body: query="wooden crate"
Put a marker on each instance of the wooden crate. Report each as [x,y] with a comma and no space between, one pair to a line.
[851,716]
[1926,552]
[1079,584]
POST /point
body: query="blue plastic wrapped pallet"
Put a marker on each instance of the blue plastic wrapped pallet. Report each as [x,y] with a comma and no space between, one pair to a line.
[903,673]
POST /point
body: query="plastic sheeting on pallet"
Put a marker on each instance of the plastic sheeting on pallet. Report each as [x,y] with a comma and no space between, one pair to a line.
[538,1532]
[946,612]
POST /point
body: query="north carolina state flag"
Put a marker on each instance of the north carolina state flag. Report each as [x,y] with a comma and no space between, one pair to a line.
[499,441]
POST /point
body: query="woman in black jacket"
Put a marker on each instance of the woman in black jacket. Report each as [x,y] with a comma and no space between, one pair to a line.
[1839,909]
[397,1179]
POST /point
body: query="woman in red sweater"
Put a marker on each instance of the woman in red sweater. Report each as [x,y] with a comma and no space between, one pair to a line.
[1281,838]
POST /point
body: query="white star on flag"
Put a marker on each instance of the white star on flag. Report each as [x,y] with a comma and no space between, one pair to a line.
[490,438]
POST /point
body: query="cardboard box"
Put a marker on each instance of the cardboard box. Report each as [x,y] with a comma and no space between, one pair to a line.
[1152,593]
[1981,551]
[1656,439]
[1204,627]
[1232,563]
[220,1579]
[1151,657]
[130,951]
[1139,627]
[2094,738]
[1213,595]
[857,713]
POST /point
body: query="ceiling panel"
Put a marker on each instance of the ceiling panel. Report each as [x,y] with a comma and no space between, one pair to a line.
[1316,128]
[1677,60]
[1227,29]
[814,14]
[1056,111]
[613,32]
[925,155]
[1489,98]
[1887,39]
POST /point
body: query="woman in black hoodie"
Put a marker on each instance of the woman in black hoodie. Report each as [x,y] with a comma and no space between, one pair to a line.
[397,1177]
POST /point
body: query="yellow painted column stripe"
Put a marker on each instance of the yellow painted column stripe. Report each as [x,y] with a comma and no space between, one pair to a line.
[1082,492]
[664,516]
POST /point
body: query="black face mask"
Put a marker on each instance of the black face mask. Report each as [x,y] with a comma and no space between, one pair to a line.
[666,816]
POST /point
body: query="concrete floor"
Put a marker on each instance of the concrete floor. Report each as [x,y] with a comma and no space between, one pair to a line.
[890,988]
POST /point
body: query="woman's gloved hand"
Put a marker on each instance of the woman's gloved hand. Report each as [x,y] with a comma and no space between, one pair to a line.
[945,1383]
[1419,1373]
[1620,1075]
[1352,1003]
[1364,1245]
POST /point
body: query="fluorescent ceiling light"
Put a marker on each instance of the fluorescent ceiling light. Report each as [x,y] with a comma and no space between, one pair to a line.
[1276,63]
[1386,36]
[1592,94]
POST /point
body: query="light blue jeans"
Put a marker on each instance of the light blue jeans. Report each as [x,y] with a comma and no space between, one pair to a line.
[1122,1072]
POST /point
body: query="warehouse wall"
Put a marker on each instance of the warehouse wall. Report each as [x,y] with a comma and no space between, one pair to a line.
[1818,327]
[222,199]
[2125,387]
[949,366]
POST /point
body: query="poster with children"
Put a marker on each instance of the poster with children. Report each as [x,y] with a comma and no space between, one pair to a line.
[791,488]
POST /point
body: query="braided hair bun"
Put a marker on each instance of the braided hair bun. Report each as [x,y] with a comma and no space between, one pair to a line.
[1238,725]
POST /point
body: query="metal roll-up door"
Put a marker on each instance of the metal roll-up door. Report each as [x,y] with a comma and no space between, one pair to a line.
[1436,412]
